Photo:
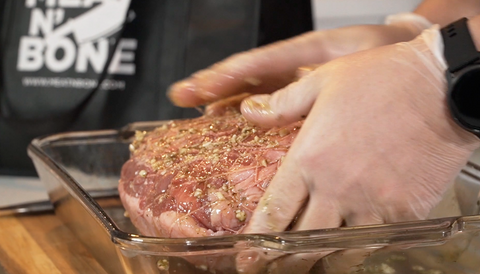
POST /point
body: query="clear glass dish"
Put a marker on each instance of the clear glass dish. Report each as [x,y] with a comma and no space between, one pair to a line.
[73,164]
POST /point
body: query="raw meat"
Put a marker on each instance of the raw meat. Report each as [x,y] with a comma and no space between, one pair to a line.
[201,177]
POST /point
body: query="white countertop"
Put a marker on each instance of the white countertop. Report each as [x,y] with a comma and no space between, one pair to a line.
[18,190]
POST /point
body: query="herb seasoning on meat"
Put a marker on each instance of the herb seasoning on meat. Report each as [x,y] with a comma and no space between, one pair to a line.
[201,177]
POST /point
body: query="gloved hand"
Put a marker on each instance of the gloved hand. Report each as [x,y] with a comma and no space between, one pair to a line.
[269,68]
[378,144]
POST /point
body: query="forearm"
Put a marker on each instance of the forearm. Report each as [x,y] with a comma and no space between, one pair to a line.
[443,12]
[474,28]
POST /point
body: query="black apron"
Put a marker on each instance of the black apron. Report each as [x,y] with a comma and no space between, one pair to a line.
[68,65]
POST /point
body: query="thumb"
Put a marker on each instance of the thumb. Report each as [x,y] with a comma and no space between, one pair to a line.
[285,106]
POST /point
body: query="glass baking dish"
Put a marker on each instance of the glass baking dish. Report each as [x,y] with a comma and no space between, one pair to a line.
[73,164]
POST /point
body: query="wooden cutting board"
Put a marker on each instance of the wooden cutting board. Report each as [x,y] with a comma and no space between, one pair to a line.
[42,244]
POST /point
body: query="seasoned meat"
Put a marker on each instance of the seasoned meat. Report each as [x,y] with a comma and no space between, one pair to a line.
[201,177]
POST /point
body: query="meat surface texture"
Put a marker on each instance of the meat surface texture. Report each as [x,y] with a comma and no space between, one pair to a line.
[201,177]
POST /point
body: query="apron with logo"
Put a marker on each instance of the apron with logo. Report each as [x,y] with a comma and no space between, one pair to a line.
[68,65]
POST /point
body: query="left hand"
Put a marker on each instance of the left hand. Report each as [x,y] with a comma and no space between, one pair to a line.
[268,68]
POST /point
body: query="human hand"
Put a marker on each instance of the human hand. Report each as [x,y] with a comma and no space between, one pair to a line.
[378,144]
[269,68]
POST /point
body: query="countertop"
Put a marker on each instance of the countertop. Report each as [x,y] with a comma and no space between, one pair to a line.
[21,190]
[40,243]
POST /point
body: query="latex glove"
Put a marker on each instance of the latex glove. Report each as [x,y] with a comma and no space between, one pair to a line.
[266,69]
[378,144]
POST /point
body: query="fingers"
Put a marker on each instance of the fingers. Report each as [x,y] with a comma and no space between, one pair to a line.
[261,70]
[364,219]
[285,195]
[322,215]
[285,106]
[219,107]
[253,262]
[305,70]
[345,261]
[298,263]
[272,67]
[319,213]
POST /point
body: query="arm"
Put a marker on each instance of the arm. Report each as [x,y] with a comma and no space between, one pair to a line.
[474,27]
[272,67]
[443,12]
[269,68]
[266,69]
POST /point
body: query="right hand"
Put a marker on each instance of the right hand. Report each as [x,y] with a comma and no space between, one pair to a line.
[269,68]
[378,144]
